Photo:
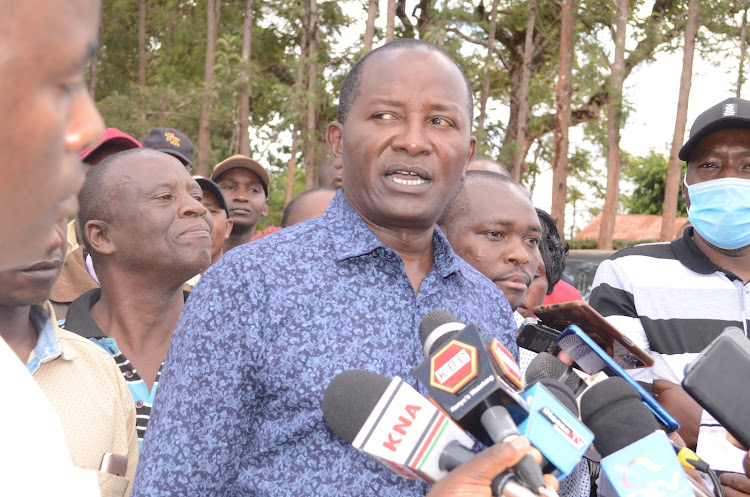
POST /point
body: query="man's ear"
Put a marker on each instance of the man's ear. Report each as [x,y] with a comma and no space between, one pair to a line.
[472,152]
[229,225]
[265,209]
[334,137]
[98,235]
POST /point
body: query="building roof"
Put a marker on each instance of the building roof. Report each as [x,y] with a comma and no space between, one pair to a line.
[631,227]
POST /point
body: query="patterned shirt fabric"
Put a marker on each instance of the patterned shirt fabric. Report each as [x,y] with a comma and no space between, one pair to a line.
[263,334]
[89,396]
[79,321]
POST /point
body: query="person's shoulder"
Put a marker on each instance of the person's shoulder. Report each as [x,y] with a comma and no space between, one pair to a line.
[658,250]
[84,346]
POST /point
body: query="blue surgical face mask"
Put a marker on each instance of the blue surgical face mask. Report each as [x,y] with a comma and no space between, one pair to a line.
[720,211]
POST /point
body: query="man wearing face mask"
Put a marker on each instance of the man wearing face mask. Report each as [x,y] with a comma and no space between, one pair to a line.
[674,298]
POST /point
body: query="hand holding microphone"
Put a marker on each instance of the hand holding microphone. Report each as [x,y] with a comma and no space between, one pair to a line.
[474,478]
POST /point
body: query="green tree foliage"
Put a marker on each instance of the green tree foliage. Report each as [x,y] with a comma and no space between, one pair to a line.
[649,175]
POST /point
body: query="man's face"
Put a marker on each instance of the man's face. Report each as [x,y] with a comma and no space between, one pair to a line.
[245,197]
[406,142]
[33,284]
[48,116]
[537,292]
[724,154]
[499,235]
[158,220]
[222,226]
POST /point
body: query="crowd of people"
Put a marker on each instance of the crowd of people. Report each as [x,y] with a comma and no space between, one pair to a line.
[172,348]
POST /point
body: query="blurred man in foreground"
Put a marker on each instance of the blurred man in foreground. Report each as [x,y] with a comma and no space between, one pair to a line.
[48,116]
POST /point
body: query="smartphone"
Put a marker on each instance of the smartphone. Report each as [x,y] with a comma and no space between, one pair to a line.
[718,380]
[619,346]
[592,359]
[533,335]
[114,464]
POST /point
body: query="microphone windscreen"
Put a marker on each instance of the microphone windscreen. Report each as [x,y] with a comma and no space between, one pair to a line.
[613,411]
[349,399]
[561,393]
[546,365]
[433,320]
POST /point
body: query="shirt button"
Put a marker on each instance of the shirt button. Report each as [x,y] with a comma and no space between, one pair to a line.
[374,253]
[138,404]
[128,374]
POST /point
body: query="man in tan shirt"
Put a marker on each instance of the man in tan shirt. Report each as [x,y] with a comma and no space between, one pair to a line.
[83,384]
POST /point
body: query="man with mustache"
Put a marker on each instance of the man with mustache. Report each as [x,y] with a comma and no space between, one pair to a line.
[148,232]
[271,323]
[492,224]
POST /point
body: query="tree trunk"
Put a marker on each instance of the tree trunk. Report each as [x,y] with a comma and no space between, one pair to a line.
[390,22]
[674,170]
[372,14]
[485,95]
[244,96]
[312,70]
[291,168]
[204,125]
[743,52]
[563,93]
[93,73]
[614,122]
[519,151]
[141,43]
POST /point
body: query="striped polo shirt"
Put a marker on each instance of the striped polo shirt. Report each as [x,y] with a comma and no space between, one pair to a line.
[671,300]
[80,321]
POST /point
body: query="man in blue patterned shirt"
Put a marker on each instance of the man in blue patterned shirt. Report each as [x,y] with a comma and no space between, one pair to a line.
[272,323]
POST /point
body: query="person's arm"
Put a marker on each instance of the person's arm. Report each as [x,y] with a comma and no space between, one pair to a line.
[679,404]
[201,426]
[473,478]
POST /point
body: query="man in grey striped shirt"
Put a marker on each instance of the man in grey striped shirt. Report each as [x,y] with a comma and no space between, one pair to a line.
[674,298]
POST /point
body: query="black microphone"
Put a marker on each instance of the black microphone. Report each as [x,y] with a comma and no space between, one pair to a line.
[546,365]
[393,424]
[460,377]
[637,455]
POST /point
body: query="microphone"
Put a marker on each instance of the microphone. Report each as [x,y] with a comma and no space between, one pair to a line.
[390,422]
[461,379]
[548,366]
[638,458]
[553,426]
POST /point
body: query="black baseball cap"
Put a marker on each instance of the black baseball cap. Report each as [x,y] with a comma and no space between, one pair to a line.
[207,184]
[170,141]
[732,113]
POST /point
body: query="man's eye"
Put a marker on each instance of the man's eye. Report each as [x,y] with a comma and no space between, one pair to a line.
[165,196]
[708,165]
[228,187]
[533,241]
[494,234]
[384,116]
[441,121]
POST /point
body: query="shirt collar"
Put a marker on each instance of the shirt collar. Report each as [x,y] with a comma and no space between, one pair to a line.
[79,319]
[48,345]
[351,237]
[688,253]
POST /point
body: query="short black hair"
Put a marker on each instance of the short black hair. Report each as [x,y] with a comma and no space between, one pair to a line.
[456,209]
[95,195]
[350,88]
[291,206]
[552,248]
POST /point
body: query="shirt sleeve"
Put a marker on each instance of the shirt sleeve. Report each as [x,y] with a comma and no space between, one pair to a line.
[204,407]
[612,297]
